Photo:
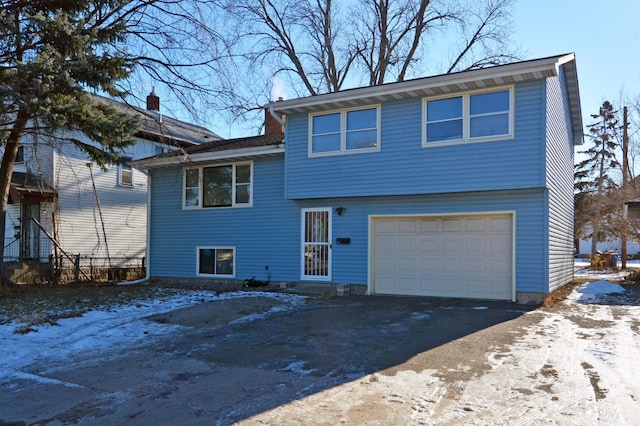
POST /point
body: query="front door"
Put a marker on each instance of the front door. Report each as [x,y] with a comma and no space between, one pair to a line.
[316,244]
[30,241]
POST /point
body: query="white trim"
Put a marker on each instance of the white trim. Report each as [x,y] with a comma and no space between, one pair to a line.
[204,157]
[198,274]
[373,217]
[200,169]
[520,71]
[120,171]
[466,117]
[343,132]
[184,188]
[303,212]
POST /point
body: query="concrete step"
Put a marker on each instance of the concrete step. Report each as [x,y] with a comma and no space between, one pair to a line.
[320,291]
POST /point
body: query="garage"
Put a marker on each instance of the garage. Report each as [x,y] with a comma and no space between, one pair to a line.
[466,256]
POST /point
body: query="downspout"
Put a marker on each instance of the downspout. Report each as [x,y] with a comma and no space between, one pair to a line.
[275,116]
[148,239]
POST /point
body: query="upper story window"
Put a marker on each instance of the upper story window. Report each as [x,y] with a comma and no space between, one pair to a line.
[20,155]
[125,173]
[228,185]
[344,131]
[469,117]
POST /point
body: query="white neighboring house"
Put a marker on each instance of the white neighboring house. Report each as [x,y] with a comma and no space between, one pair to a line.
[88,211]
[633,247]
[631,211]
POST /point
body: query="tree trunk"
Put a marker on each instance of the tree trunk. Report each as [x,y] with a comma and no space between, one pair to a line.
[6,171]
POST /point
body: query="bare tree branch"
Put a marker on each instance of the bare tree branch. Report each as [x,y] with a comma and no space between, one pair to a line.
[319,47]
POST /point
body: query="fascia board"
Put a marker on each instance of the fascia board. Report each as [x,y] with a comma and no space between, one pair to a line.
[206,156]
[511,70]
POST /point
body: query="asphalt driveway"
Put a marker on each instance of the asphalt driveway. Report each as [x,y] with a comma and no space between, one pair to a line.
[226,361]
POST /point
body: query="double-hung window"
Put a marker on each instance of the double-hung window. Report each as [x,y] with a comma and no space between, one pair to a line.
[125,173]
[216,261]
[228,185]
[469,117]
[345,131]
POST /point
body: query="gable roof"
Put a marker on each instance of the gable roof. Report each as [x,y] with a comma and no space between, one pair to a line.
[170,131]
[448,83]
[218,150]
[159,128]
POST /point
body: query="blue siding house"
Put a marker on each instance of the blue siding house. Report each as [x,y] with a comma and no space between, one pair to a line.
[457,185]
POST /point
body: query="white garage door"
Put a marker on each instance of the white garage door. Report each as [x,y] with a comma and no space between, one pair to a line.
[446,256]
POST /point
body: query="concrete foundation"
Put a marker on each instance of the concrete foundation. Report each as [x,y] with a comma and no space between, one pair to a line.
[530,298]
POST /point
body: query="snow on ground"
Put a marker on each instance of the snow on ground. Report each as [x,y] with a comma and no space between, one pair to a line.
[577,364]
[102,331]
[580,365]
[583,271]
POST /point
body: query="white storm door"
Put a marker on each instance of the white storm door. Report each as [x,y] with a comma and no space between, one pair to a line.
[316,244]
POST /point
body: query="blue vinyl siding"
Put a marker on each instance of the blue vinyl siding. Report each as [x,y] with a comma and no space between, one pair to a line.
[266,234]
[530,175]
[559,166]
[404,167]
[350,261]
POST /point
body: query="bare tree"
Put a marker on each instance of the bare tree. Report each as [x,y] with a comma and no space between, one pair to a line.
[177,44]
[299,40]
[319,47]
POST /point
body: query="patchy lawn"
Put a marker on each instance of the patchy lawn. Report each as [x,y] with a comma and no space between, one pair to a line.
[28,306]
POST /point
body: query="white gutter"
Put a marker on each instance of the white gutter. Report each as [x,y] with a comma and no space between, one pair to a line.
[275,116]
[147,242]
[516,70]
[207,156]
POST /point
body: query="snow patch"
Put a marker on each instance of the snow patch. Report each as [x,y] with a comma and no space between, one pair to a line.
[298,367]
[593,290]
[420,316]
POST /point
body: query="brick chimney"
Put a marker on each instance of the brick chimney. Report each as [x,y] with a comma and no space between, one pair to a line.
[153,101]
[271,125]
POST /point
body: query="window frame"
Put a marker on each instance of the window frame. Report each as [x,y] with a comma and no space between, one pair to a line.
[20,155]
[216,248]
[343,131]
[466,117]
[122,169]
[200,169]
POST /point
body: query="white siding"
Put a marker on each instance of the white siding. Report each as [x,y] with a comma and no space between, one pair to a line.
[615,244]
[78,225]
[122,210]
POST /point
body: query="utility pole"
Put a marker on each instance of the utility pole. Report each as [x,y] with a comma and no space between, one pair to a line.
[625,177]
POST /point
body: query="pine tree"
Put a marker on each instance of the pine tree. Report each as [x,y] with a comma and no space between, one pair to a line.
[594,183]
[53,53]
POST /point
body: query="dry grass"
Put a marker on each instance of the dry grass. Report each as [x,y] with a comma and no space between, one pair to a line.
[560,294]
[32,305]
[28,306]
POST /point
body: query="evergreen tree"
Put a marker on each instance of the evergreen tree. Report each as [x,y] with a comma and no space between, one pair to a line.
[594,183]
[52,54]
